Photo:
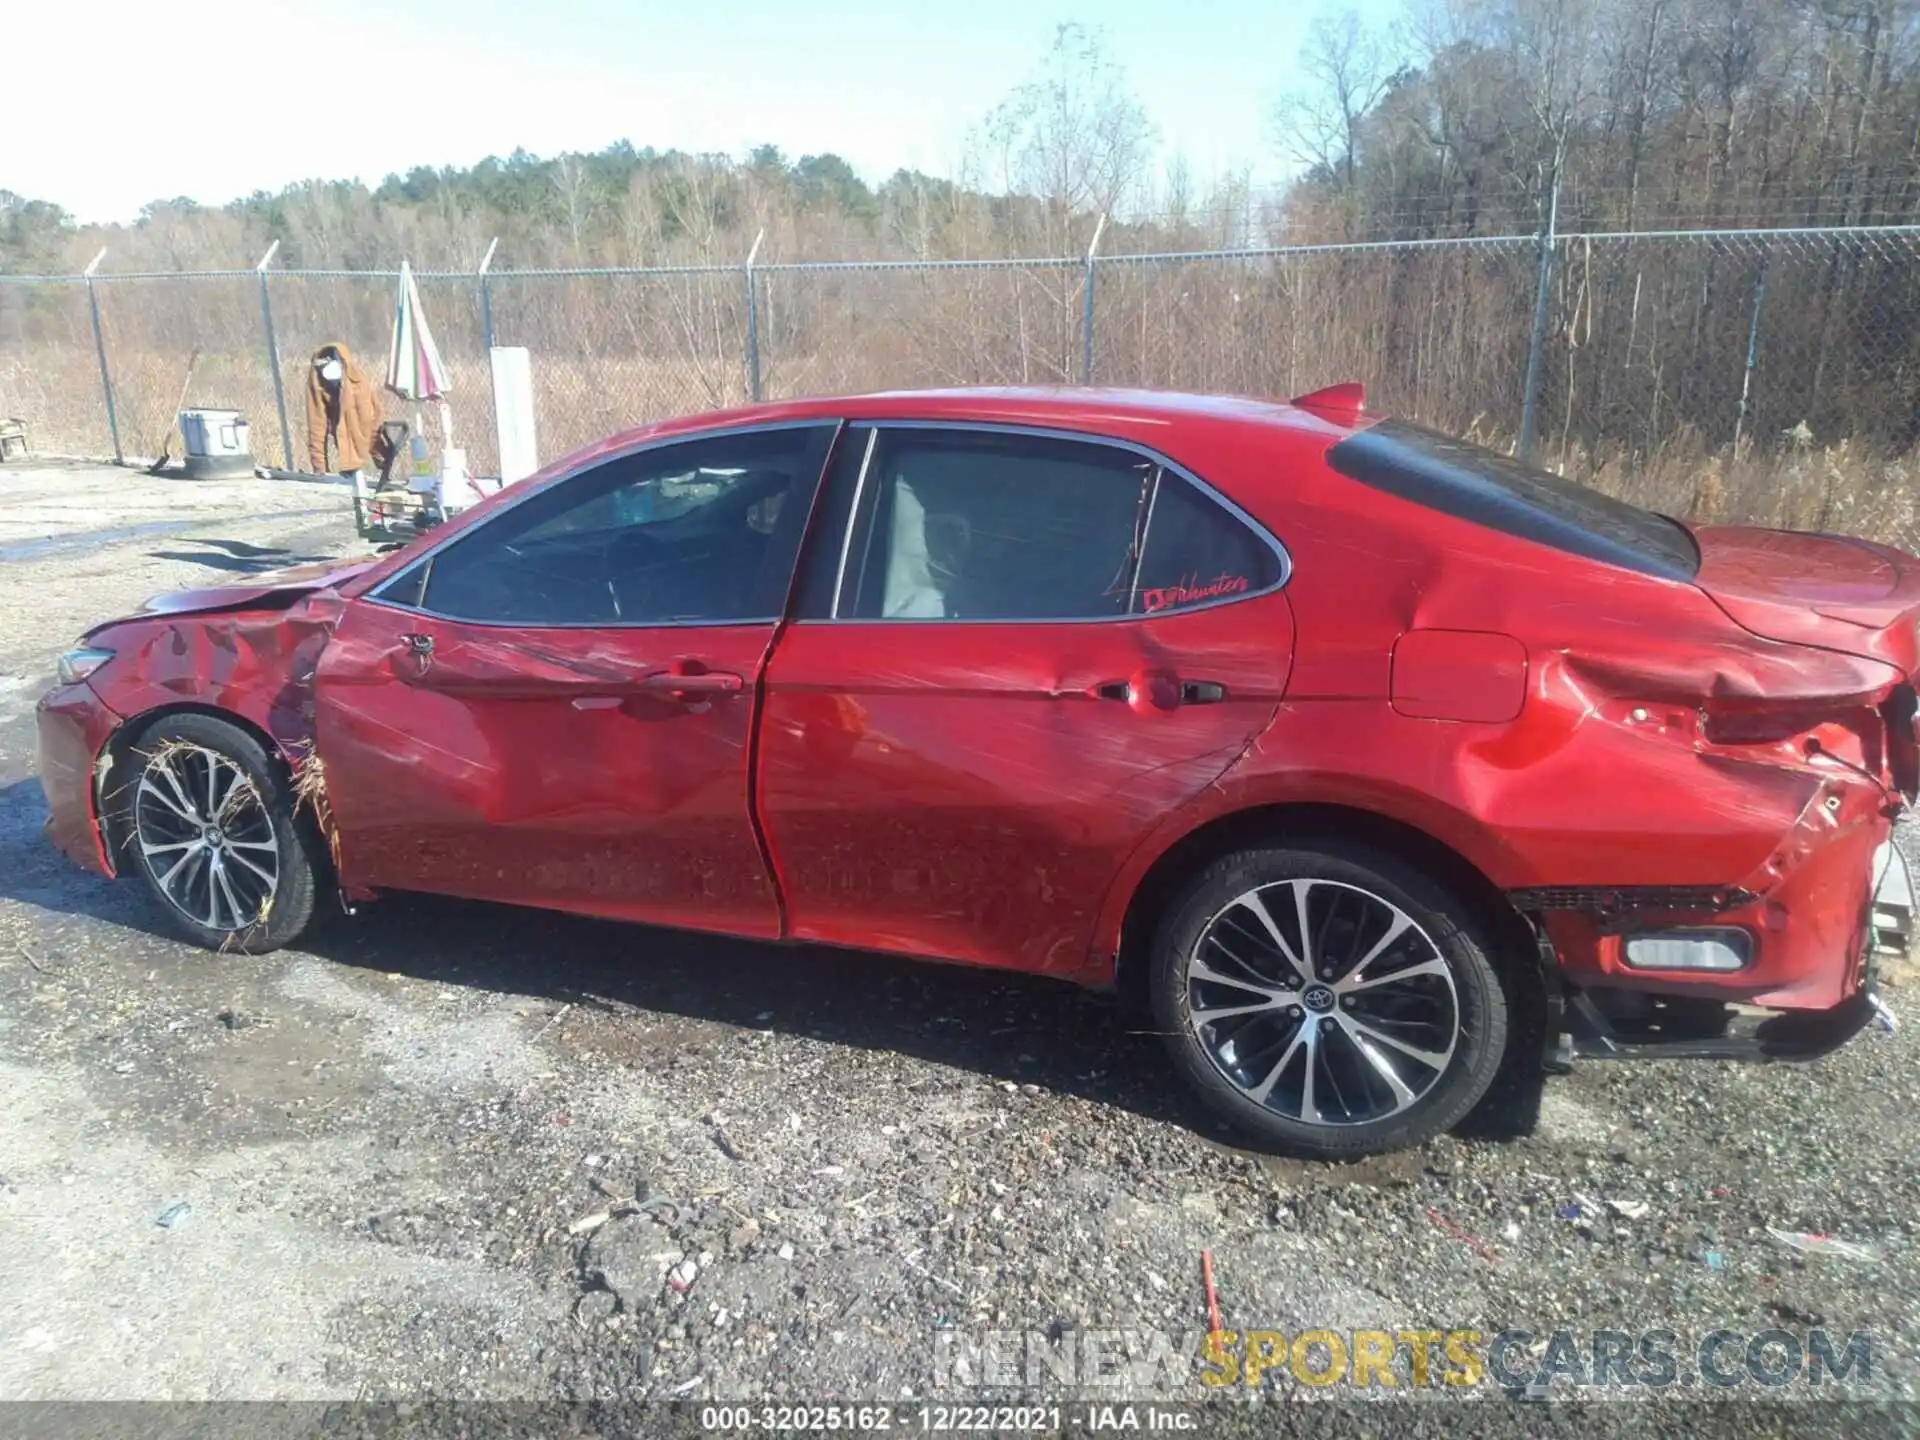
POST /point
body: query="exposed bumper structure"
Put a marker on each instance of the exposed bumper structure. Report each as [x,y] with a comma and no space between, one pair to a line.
[74,727]
[1751,942]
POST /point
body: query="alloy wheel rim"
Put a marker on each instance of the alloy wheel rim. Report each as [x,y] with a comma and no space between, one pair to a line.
[206,837]
[1323,1002]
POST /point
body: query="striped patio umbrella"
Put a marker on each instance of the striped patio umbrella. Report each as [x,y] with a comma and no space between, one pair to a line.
[415,370]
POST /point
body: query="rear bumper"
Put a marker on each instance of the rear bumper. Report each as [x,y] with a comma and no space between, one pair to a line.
[74,727]
[1807,921]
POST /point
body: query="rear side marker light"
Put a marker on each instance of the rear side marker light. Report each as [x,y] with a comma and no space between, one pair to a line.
[1720,949]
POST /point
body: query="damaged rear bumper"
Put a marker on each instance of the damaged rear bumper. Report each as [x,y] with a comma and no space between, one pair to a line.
[1653,971]
[74,725]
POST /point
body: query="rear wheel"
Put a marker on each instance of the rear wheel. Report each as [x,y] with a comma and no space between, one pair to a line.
[1334,1001]
[211,827]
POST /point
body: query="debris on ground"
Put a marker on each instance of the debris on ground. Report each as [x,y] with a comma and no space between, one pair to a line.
[1808,1243]
[728,1146]
[740,1239]
[680,1279]
[595,1307]
[1479,1247]
[1213,1298]
[172,1215]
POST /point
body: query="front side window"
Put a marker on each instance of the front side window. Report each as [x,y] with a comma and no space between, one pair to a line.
[962,525]
[699,531]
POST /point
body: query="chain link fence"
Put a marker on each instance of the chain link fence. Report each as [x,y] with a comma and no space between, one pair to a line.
[1763,374]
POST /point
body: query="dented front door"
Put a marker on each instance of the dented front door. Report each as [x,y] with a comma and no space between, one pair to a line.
[556,708]
[596,771]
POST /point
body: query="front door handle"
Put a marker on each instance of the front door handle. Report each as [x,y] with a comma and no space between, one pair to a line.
[418,644]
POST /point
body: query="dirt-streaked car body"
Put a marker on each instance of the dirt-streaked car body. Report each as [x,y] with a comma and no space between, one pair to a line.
[1339,738]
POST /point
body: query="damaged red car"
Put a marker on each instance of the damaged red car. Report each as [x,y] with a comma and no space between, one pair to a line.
[1362,755]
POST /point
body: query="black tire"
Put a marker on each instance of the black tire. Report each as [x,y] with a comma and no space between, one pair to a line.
[1341,878]
[268,916]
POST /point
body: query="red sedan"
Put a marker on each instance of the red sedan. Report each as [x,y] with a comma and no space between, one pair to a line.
[1348,746]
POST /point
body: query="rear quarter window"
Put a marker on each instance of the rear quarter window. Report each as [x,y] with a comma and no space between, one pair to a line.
[1475,484]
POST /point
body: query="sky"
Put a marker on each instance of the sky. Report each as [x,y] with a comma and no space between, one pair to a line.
[213,99]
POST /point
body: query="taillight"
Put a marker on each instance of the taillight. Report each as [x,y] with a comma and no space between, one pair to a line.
[1847,729]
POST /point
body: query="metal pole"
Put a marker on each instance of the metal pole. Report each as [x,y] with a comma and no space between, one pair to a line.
[1086,304]
[753,323]
[100,349]
[273,356]
[486,293]
[1543,293]
[1753,349]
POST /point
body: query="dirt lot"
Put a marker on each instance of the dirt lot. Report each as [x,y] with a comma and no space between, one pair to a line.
[384,1138]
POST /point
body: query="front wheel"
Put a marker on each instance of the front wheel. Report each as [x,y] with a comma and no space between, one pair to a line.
[211,827]
[1333,1001]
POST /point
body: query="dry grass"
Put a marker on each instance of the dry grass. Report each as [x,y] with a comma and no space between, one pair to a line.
[310,794]
[1794,484]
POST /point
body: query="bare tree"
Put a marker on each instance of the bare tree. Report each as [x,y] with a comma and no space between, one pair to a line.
[1073,137]
[1345,69]
[579,197]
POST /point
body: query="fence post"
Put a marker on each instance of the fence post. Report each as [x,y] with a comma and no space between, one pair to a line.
[1753,349]
[486,296]
[1542,297]
[273,356]
[1086,303]
[100,349]
[753,323]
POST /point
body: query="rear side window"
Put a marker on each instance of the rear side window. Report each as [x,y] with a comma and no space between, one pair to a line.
[1504,494]
[966,525]
[1197,552]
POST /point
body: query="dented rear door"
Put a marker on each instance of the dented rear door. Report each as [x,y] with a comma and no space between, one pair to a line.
[988,698]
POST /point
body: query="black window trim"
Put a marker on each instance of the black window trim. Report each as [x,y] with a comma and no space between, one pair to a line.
[863,503]
[424,561]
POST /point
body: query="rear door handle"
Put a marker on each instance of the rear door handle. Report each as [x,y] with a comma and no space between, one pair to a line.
[698,684]
[1158,691]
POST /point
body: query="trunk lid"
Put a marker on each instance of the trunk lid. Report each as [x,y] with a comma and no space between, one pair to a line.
[1827,590]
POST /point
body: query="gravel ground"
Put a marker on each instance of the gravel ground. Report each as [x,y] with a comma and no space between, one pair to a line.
[448,1152]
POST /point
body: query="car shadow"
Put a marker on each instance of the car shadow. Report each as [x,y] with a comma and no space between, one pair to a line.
[1019,1029]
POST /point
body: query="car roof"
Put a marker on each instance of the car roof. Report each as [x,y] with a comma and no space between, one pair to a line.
[1092,409]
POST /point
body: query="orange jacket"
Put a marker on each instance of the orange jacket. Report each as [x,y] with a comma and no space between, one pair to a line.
[348,414]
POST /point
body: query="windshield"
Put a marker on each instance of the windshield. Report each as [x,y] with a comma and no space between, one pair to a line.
[1508,495]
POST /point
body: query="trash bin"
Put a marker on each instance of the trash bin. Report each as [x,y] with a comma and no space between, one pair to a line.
[216,444]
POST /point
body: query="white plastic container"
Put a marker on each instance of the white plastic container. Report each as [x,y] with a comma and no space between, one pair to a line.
[216,444]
